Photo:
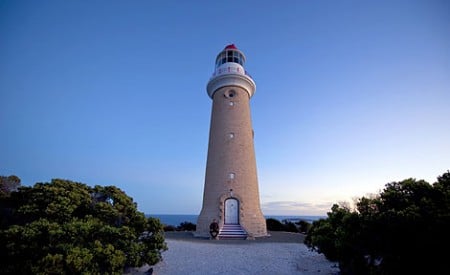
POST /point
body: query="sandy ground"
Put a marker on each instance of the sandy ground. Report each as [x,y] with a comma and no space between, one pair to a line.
[283,253]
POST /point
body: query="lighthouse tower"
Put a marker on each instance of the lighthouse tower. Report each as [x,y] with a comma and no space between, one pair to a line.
[231,194]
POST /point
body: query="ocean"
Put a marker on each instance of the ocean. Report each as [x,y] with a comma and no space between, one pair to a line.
[175,220]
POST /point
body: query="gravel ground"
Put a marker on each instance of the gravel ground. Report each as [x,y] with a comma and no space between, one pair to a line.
[187,255]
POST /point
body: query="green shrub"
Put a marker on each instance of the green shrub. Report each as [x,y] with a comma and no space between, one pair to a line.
[274,225]
[168,228]
[186,226]
[400,231]
[304,226]
[290,227]
[64,227]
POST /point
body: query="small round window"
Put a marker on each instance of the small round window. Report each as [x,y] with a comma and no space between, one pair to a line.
[230,94]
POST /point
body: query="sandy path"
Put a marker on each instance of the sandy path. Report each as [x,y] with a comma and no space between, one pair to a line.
[188,257]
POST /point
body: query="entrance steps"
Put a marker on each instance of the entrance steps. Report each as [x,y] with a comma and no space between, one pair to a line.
[232,232]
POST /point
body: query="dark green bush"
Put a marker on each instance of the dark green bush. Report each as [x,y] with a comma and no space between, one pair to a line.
[400,231]
[168,228]
[274,225]
[304,226]
[64,227]
[187,226]
[290,227]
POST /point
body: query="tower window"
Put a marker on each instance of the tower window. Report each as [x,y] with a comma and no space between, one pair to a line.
[231,176]
[230,93]
[231,103]
[231,135]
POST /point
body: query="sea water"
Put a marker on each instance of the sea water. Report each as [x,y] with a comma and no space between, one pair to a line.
[175,220]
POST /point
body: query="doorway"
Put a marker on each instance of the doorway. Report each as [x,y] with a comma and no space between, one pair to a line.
[231,211]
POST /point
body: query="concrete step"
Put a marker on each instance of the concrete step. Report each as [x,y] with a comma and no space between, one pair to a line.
[232,232]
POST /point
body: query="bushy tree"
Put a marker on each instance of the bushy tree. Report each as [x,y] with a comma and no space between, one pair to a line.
[274,225]
[402,230]
[304,226]
[187,226]
[169,227]
[290,227]
[65,227]
[8,184]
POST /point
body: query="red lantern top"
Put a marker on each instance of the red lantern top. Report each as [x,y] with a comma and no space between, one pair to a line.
[231,46]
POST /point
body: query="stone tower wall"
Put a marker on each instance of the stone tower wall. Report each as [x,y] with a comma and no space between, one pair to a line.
[231,164]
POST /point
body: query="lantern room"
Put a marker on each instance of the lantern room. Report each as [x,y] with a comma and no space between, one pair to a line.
[230,54]
[229,71]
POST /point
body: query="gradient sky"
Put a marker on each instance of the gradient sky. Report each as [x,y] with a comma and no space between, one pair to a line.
[350,95]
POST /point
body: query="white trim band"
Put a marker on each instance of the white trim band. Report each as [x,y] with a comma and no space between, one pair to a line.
[223,80]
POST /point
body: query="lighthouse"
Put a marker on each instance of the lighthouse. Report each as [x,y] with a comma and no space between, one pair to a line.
[231,193]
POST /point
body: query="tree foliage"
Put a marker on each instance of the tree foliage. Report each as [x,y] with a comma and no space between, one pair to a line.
[8,185]
[186,226]
[400,231]
[65,227]
[304,226]
[275,225]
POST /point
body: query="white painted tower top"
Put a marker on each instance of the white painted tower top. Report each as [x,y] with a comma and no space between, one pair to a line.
[229,71]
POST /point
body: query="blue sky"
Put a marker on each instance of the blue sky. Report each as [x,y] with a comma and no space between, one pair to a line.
[350,95]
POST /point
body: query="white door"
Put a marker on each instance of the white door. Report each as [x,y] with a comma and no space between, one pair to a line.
[231,211]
